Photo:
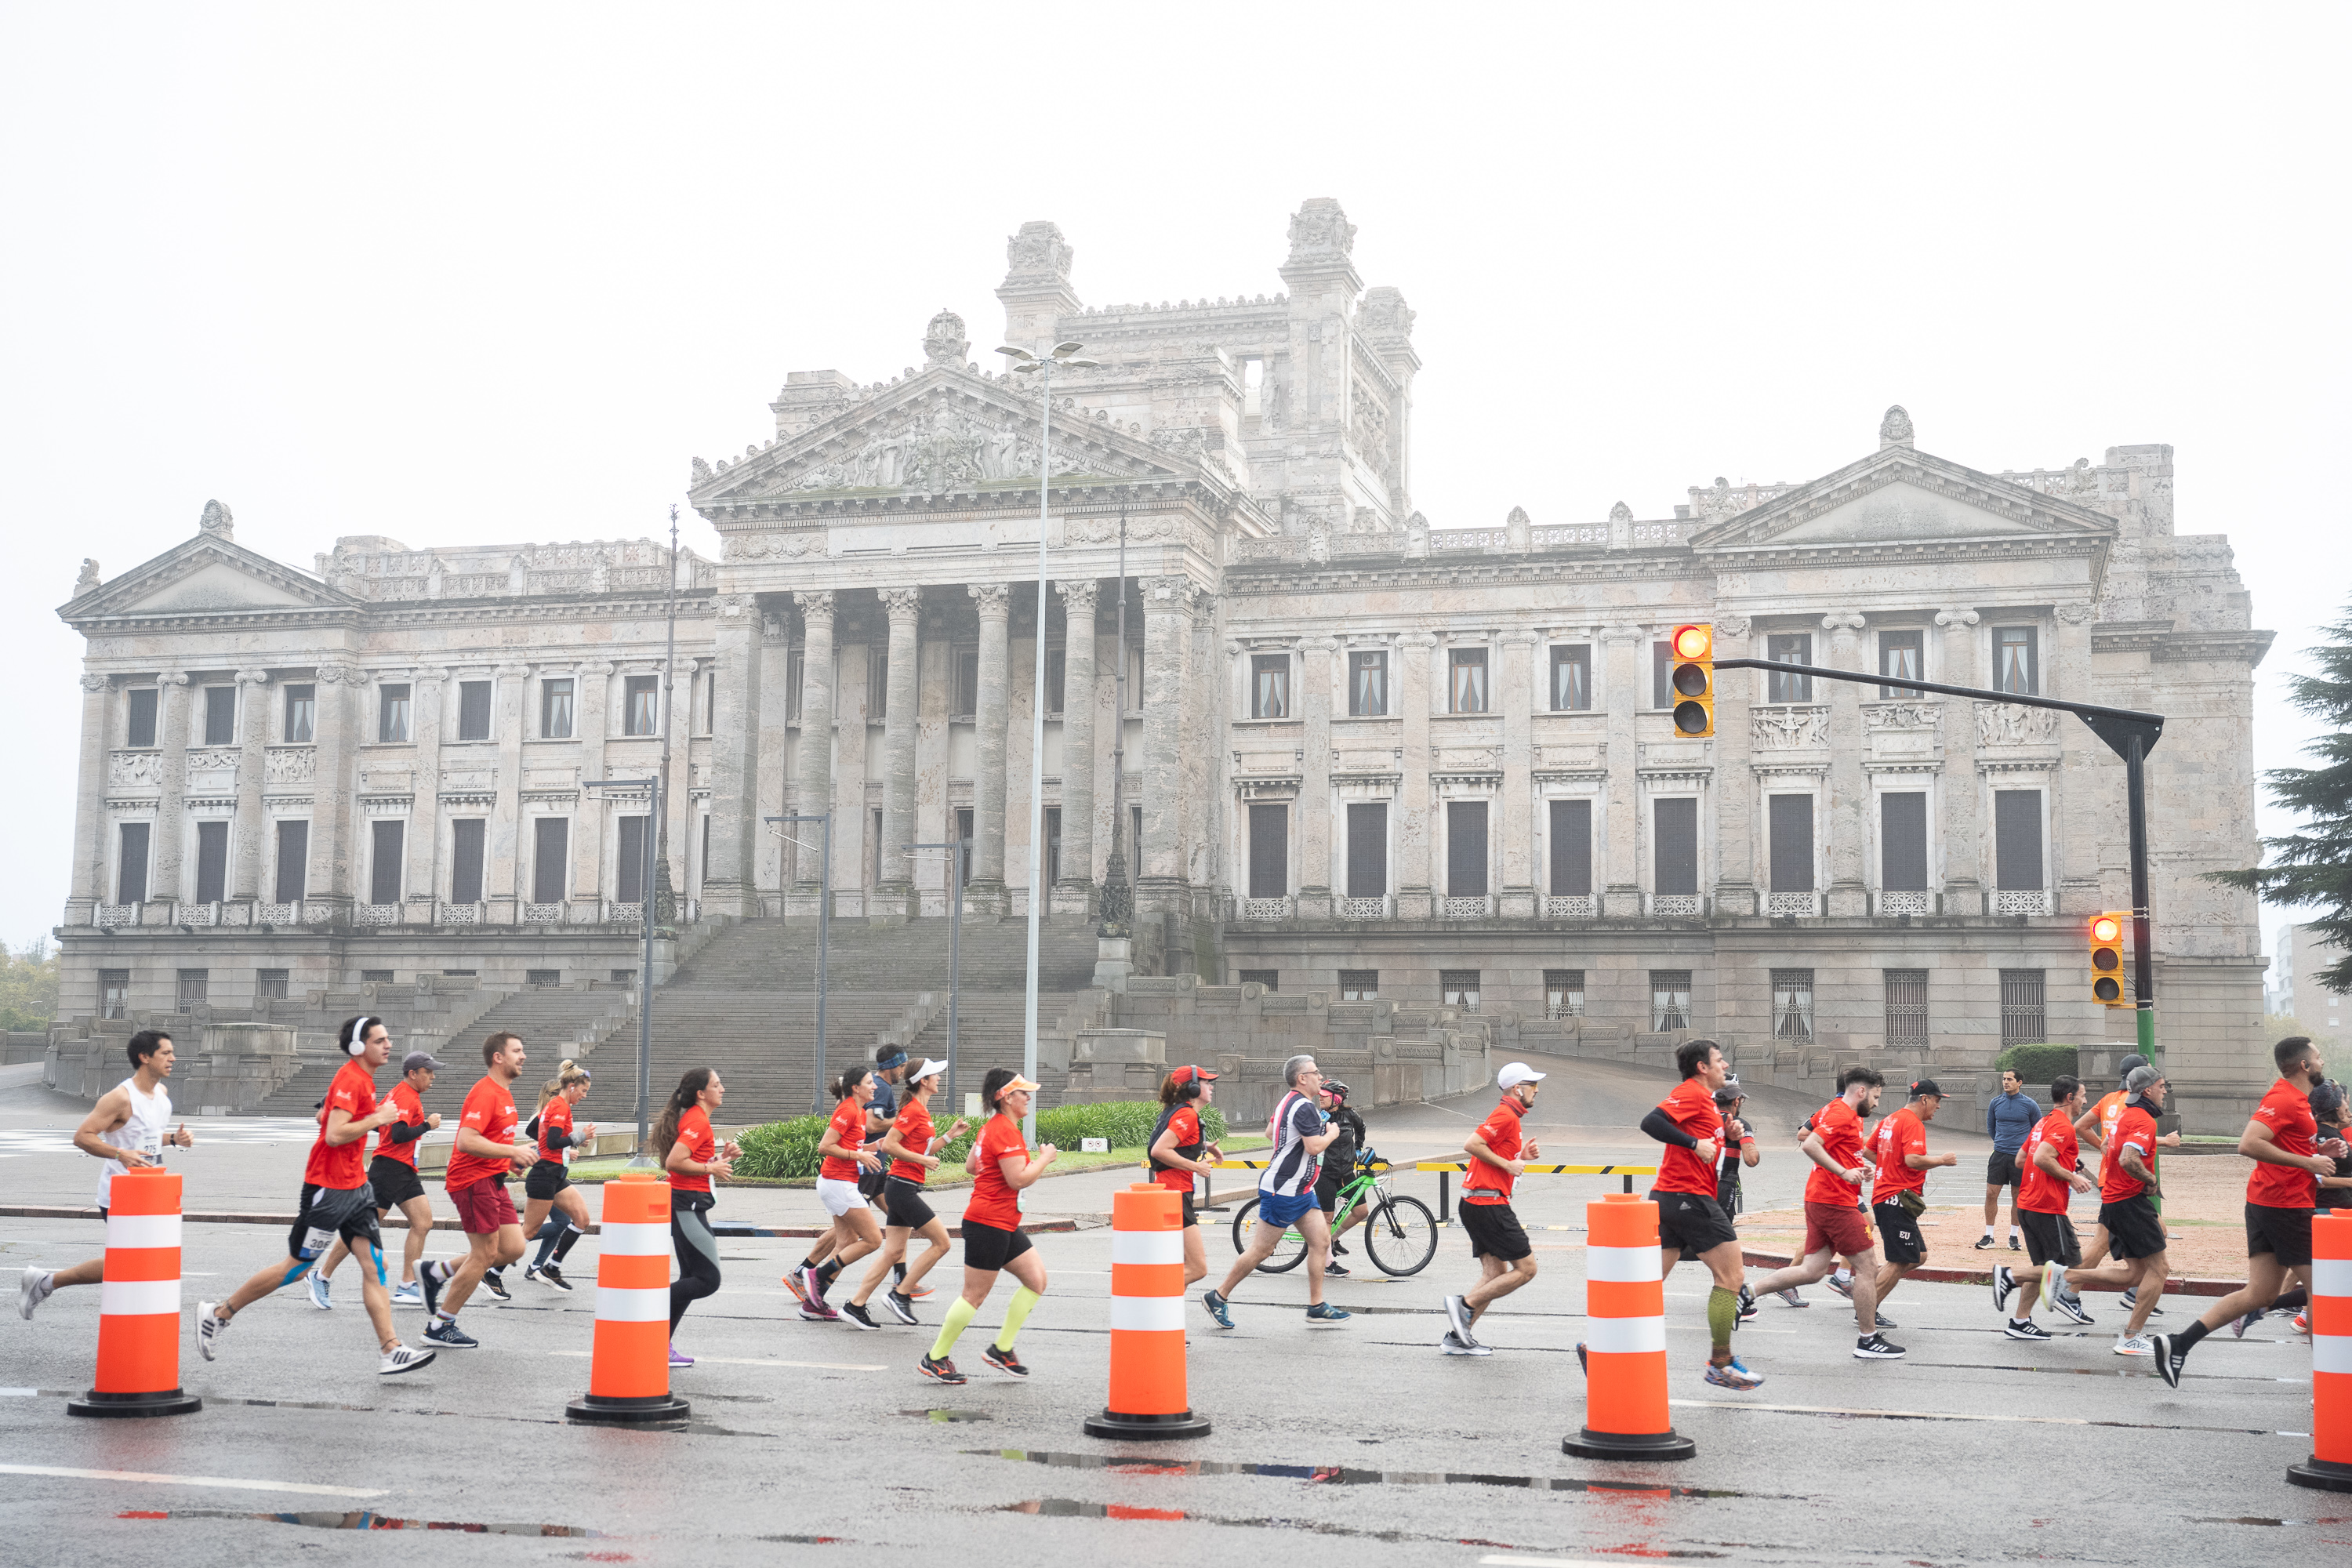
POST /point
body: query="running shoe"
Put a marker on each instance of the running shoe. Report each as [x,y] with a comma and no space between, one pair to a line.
[210,1327]
[429,1279]
[1984,1241]
[1323,1314]
[817,1311]
[1748,1308]
[1582,1365]
[899,1307]
[2131,1301]
[2004,1286]
[792,1281]
[2014,1246]
[1877,1347]
[494,1284]
[2239,1327]
[2133,1344]
[2072,1305]
[35,1286]
[812,1286]
[2169,1357]
[857,1317]
[1335,1271]
[446,1331]
[407,1295]
[1338,1249]
[1457,1318]
[1842,1285]
[320,1289]
[1452,1346]
[1792,1297]
[1731,1374]
[1216,1305]
[939,1370]
[918,1293]
[1881,1319]
[403,1358]
[680,1358]
[2300,1322]
[550,1274]
[2026,1329]
[1004,1361]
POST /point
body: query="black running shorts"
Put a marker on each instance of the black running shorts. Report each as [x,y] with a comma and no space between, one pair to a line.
[2048,1237]
[986,1246]
[1494,1232]
[1692,1221]
[904,1203]
[2284,1234]
[2001,1170]
[395,1181]
[328,1213]
[545,1179]
[1898,1234]
[2133,1228]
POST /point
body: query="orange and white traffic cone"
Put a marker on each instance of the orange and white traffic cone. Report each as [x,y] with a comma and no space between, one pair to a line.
[1147,1320]
[1625,1347]
[139,1303]
[2330,1465]
[628,1371]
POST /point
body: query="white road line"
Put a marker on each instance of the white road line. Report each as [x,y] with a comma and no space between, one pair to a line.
[1922,1414]
[231,1483]
[1497,1559]
[747,1361]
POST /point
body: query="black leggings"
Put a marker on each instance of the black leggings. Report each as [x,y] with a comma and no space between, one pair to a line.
[696,1249]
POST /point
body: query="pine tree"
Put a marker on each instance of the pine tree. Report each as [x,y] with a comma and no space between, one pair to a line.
[2314,867]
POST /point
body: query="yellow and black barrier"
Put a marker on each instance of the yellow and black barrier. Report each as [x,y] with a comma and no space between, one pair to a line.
[1448,1169]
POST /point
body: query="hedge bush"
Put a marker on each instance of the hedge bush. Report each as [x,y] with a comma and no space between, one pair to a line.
[786,1149]
[2035,1065]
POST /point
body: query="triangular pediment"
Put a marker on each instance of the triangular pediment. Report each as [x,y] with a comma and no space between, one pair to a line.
[204,575]
[943,430]
[1900,497]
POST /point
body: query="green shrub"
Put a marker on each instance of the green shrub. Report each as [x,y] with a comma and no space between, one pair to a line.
[785,1148]
[2035,1065]
[782,1148]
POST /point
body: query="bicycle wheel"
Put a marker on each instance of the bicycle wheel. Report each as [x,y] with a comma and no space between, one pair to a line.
[1400,1236]
[1288,1253]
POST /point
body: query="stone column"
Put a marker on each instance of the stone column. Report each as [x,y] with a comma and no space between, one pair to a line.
[1078,757]
[251,823]
[1848,820]
[815,794]
[173,698]
[986,894]
[420,880]
[2086,789]
[1621,858]
[90,889]
[334,785]
[1314,779]
[1735,779]
[1203,795]
[1167,639]
[733,890]
[1419,686]
[504,855]
[592,713]
[1515,692]
[895,898]
[1957,788]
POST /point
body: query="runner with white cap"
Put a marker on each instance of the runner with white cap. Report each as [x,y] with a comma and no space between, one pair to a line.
[1498,1242]
[994,1242]
[907,1148]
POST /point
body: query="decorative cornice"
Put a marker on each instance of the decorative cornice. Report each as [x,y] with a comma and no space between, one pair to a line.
[993,600]
[1957,617]
[96,683]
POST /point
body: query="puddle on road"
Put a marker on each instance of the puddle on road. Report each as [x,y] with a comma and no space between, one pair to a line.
[1353,1475]
[1071,1508]
[369,1521]
[944,1417]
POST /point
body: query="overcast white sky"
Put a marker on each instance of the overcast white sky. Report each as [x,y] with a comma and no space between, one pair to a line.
[462,274]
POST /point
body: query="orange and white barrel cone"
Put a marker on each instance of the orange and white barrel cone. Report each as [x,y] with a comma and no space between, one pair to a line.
[628,1371]
[1625,1343]
[139,1303]
[2330,1465]
[1147,1320]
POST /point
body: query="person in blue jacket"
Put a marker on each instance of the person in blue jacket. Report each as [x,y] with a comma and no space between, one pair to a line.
[2008,1117]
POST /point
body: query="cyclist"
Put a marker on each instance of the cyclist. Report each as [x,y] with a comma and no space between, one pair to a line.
[1180,1153]
[1339,1168]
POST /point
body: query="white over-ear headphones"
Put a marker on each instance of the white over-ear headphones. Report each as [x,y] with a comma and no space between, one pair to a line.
[360,1027]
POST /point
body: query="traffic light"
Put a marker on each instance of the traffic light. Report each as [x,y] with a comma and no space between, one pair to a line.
[2107,958]
[1692,648]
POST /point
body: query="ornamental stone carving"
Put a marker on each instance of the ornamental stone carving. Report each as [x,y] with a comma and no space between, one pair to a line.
[944,343]
[1732,626]
[1957,617]
[1319,231]
[1844,621]
[216,522]
[289,765]
[96,682]
[990,598]
[211,759]
[1039,254]
[901,604]
[1894,431]
[2014,724]
[1788,729]
[1078,600]
[173,677]
[87,582]
[2075,614]
[340,675]
[134,768]
[1901,715]
[815,604]
[1383,314]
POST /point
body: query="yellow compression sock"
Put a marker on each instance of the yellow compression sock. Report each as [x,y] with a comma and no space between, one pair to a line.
[1016,1314]
[960,1316]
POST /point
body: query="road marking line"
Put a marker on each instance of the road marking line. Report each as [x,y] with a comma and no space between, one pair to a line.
[748,1361]
[1497,1560]
[1954,1415]
[232,1483]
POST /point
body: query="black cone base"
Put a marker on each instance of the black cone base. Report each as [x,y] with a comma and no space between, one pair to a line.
[173,1401]
[2325,1474]
[1155,1428]
[1589,1445]
[628,1412]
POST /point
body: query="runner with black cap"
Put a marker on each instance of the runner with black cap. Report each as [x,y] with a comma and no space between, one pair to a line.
[393,1174]
[1182,1156]
[906,1146]
[1740,1148]
[1900,1196]
[1691,1222]
[1498,1242]
[2128,1190]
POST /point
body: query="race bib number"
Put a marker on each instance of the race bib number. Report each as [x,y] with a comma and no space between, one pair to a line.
[316,1243]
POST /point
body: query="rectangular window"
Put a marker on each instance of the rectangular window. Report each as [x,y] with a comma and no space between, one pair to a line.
[1467,679]
[212,862]
[877,682]
[1368,850]
[1134,839]
[1899,653]
[1459,988]
[1662,675]
[706,847]
[1368,685]
[963,699]
[2015,668]
[1572,677]
[629,881]
[383,861]
[141,734]
[963,836]
[1465,848]
[1053,845]
[2017,839]
[1903,841]
[461,974]
[293,861]
[269,984]
[542,977]
[1270,686]
[795,664]
[2022,1019]
[1057,678]
[1360,984]
[874,851]
[1792,843]
[114,993]
[130,866]
[1269,851]
[392,713]
[641,705]
[1792,1004]
[375,977]
[1670,999]
[220,715]
[555,709]
[710,684]
[194,988]
[466,840]
[1906,1006]
[1266,977]
[1563,994]
[551,858]
[1570,841]
[1788,648]
[1674,823]
[301,715]
[473,710]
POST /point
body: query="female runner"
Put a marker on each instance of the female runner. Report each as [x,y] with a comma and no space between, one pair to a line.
[549,1186]
[689,1152]
[1179,1151]
[854,1231]
[1001,1166]
[908,1146]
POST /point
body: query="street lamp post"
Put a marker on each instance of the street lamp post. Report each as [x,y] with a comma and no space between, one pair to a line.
[823,927]
[955,948]
[643,1158]
[1119,895]
[1027,364]
[665,897]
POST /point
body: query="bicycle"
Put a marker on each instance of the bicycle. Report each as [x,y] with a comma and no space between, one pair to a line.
[1399,1233]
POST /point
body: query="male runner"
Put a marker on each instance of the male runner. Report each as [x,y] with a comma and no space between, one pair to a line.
[1691,1222]
[134,1114]
[1285,1198]
[336,1201]
[2283,1140]
[393,1174]
[1900,1195]
[1498,1242]
[2049,1158]
[487,1148]
[2008,1117]
[1834,1226]
[2095,1126]
[2127,1190]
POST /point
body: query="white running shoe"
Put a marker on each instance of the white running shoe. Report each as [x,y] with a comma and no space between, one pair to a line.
[210,1327]
[2134,1344]
[322,1292]
[1453,1346]
[1457,1316]
[35,1286]
[400,1359]
[407,1295]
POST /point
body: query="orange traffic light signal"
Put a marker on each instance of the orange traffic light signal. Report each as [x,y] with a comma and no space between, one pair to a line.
[1693,651]
[2107,958]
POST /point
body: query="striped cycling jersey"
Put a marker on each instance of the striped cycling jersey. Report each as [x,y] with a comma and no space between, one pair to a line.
[1290,1170]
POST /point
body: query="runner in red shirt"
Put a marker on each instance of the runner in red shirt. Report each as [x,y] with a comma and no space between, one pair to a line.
[1000,1167]
[2047,1162]
[393,1174]
[2283,1140]
[908,1146]
[691,1154]
[853,1232]
[2094,1128]
[488,1146]
[1834,1226]
[1899,1195]
[1691,1222]
[1181,1156]
[336,1202]
[1498,1242]
[555,1214]
[2127,1190]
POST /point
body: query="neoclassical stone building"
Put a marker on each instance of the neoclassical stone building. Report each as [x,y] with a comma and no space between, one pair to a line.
[1365,754]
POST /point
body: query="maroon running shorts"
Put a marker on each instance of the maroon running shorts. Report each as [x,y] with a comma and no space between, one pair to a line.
[1838,1226]
[483,1207]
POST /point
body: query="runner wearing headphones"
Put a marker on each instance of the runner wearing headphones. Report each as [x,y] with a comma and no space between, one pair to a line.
[690,1155]
[1002,1168]
[1180,1154]
[393,1174]
[555,1214]
[855,1233]
[907,1146]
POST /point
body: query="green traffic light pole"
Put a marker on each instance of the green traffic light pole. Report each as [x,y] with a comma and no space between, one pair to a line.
[2129,732]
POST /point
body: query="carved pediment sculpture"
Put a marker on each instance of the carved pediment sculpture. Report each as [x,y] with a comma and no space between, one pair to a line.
[2014,724]
[1790,729]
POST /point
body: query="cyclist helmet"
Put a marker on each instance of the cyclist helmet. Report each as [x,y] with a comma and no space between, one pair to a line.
[1338,1091]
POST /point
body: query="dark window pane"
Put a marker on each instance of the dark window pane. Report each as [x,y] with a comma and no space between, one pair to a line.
[1788,648]
[963,836]
[1792,1004]
[466,837]
[1057,678]
[794,663]
[1670,999]
[965,700]
[212,862]
[220,715]
[2017,839]
[1360,984]
[1266,977]
[293,860]
[1368,850]
[2015,666]
[2022,1022]
[1368,685]
[1571,679]
[194,988]
[1674,820]
[473,710]
[1269,851]
[1899,654]
[1563,993]
[1662,675]
[1459,988]
[392,721]
[1572,847]
[1903,842]
[641,707]
[1270,686]
[130,873]
[114,992]
[1906,1006]
[878,682]
[1053,845]
[550,860]
[383,871]
[555,709]
[1465,848]
[1792,843]
[141,731]
[301,715]
[1468,685]
[629,885]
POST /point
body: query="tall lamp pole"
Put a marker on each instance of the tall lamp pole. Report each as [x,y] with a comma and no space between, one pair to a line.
[665,903]
[1027,364]
[823,925]
[1119,896]
[643,1158]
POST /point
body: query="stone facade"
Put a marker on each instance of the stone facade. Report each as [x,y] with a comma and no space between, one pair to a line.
[1367,756]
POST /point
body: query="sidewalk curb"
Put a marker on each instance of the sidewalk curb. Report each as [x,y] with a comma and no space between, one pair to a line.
[730,1229]
[1984,1277]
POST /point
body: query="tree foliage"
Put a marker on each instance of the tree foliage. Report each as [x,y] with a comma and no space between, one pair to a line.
[29,987]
